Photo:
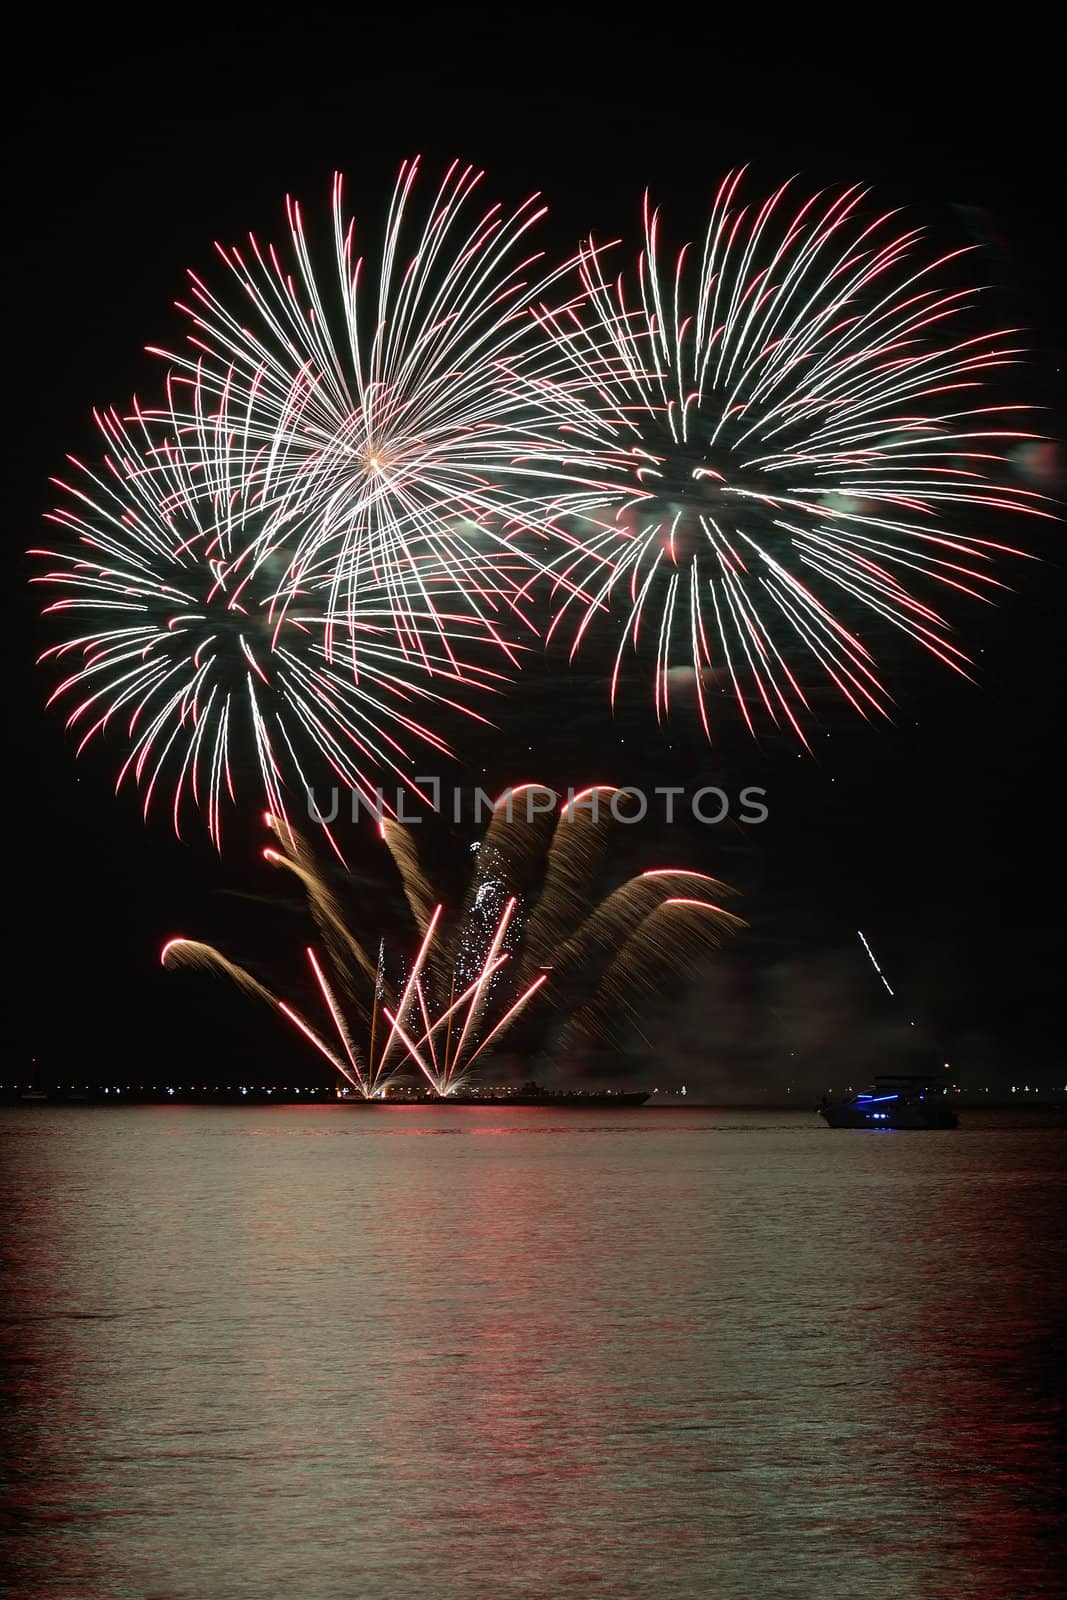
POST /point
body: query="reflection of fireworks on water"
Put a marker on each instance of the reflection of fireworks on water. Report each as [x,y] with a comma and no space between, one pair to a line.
[168,586]
[794,438]
[529,923]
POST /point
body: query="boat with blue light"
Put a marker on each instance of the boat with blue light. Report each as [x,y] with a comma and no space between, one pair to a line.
[905,1101]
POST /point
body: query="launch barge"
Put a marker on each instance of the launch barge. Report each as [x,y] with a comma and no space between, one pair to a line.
[528,1094]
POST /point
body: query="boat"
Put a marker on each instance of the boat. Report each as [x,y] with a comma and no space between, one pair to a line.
[897,1100]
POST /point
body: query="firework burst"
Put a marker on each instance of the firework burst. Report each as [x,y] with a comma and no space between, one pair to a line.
[183,634]
[794,440]
[529,927]
[399,408]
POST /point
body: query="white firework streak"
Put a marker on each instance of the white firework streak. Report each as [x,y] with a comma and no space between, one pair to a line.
[874,961]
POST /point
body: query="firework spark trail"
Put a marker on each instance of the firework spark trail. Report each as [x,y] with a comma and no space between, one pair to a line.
[507,858]
[165,587]
[664,947]
[618,917]
[417,890]
[398,412]
[179,952]
[410,994]
[574,857]
[467,985]
[792,434]
[347,954]
[874,962]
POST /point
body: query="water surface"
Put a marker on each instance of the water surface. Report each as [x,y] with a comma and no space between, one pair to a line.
[480,1352]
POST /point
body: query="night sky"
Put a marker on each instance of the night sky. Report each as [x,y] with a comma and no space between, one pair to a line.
[939,836]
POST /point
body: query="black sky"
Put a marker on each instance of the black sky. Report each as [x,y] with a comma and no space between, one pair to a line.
[939,836]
